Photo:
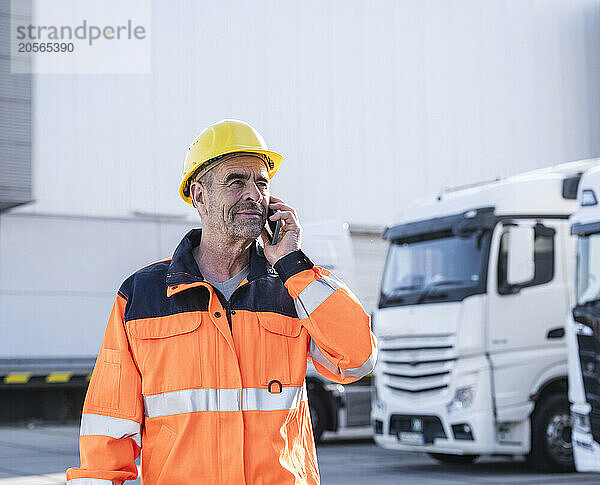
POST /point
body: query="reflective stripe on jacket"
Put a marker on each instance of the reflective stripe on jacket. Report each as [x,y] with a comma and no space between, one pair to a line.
[210,391]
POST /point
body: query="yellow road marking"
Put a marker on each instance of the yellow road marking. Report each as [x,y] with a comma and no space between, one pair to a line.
[58,377]
[17,378]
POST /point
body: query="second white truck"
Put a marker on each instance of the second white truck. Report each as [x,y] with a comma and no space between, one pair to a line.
[583,327]
[472,355]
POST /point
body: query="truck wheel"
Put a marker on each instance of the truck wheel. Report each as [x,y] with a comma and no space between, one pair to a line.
[318,414]
[454,459]
[551,447]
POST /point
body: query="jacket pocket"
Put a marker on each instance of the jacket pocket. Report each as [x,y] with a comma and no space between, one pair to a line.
[167,351]
[283,349]
[162,327]
[105,391]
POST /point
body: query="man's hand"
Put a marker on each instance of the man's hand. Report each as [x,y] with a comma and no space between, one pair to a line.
[290,235]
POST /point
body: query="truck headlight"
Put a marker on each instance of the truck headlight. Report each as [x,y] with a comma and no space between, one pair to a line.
[463,398]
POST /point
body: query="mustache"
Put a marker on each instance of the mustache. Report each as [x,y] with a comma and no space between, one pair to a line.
[242,206]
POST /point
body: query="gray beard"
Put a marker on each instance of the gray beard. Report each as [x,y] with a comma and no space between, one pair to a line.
[248,230]
[238,229]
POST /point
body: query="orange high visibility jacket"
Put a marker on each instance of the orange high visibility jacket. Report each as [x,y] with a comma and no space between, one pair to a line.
[210,391]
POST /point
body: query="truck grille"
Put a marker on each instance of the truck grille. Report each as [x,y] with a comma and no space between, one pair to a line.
[417,365]
[430,426]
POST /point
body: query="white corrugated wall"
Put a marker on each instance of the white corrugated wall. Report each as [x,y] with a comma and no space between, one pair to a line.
[372,103]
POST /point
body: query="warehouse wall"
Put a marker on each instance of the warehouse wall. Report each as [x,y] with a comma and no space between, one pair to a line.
[372,103]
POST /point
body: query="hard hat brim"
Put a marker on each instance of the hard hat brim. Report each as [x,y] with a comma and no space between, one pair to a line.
[274,157]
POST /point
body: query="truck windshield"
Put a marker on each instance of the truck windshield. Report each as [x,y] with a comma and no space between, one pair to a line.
[588,269]
[441,268]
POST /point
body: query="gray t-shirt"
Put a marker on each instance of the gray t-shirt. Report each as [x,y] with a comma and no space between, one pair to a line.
[229,286]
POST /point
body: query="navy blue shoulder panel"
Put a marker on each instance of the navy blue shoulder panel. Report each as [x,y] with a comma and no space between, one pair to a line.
[264,294]
[146,294]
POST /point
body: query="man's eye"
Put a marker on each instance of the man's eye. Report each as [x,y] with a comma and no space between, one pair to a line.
[237,183]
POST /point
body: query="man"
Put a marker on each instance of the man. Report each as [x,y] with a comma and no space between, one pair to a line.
[204,358]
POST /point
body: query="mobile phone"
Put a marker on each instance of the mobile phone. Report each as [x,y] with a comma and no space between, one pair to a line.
[273,228]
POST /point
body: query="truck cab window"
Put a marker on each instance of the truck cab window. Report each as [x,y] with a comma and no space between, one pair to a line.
[436,267]
[587,284]
[543,262]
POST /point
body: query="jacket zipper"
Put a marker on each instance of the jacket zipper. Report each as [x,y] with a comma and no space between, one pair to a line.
[228,315]
[228,308]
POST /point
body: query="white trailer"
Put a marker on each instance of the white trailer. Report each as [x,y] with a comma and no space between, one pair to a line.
[58,279]
[472,354]
[583,327]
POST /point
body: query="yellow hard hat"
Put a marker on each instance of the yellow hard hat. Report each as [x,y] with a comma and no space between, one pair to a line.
[222,138]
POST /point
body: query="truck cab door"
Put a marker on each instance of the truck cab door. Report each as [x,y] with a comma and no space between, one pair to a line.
[525,321]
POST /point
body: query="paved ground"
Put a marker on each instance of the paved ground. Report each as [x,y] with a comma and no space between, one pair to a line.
[39,455]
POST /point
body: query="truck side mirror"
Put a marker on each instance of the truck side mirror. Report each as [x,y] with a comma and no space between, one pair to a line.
[520,264]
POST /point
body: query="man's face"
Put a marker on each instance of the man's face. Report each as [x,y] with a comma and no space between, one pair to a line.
[238,197]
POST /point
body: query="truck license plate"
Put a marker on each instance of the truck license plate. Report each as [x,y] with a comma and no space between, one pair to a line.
[411,438]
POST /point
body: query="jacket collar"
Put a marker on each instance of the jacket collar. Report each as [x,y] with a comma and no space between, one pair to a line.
[183,272]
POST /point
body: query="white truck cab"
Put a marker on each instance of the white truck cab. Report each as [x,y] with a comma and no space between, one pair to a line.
[470,325]
[583,327]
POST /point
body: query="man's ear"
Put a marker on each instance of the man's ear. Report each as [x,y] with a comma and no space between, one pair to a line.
[197,195]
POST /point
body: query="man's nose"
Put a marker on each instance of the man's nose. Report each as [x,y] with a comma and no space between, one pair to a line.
[253,193]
